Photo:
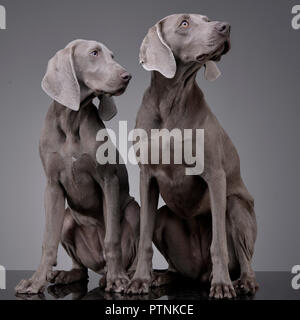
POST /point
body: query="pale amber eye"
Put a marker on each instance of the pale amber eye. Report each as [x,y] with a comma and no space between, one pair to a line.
[184,24]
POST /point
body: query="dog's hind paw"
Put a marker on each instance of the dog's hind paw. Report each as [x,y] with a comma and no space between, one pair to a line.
[67,277]
[246,285]
[30,286]
[162,278]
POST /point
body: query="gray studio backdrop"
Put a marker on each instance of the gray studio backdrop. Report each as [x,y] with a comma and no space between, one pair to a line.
[256,101]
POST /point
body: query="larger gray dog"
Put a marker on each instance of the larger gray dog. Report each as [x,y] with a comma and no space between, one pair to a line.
[208,226]
[99,228]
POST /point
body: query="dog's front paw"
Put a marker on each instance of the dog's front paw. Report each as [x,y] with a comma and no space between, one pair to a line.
[31,286]
[246,285]
[117,283]
[222,290]
[138,286]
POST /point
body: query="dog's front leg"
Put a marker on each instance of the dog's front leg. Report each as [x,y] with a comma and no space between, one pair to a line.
[55,212]
[116,278]
[221,285]
[149,192]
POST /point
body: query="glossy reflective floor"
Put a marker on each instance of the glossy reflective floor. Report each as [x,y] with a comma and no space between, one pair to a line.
[273,286]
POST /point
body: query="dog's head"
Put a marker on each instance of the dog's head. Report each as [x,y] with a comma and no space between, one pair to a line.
[84,68]
[186,39]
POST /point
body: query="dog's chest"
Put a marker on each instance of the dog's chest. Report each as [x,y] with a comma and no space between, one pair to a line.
[185,195]
[77,171]
[82,191]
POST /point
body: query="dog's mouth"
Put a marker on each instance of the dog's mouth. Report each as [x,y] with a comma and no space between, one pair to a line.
[216,54]
[117,92]
[221,51]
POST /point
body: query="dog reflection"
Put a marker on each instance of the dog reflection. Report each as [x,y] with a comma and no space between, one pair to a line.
[180,290]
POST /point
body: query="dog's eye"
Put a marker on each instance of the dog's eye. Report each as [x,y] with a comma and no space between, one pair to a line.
[184,24]
[206,19]
[94,53]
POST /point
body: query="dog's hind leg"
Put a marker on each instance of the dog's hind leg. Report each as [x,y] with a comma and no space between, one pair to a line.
[241,233]
[184,244]
[84,250]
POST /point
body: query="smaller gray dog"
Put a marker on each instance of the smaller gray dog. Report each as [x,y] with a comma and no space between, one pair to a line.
[99,229]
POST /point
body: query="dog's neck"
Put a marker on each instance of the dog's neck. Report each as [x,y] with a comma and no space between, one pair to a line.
[85,92]
[69,120]
[172,95]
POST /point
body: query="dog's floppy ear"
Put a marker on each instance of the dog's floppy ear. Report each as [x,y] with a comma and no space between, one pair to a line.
[107,108]
[212,71]
[155,54]
[60,81]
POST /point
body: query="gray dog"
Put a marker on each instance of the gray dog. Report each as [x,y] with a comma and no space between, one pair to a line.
[207,229]
[99,228]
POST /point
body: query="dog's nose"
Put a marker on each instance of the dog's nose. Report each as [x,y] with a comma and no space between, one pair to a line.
[126,76]
[223,28]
